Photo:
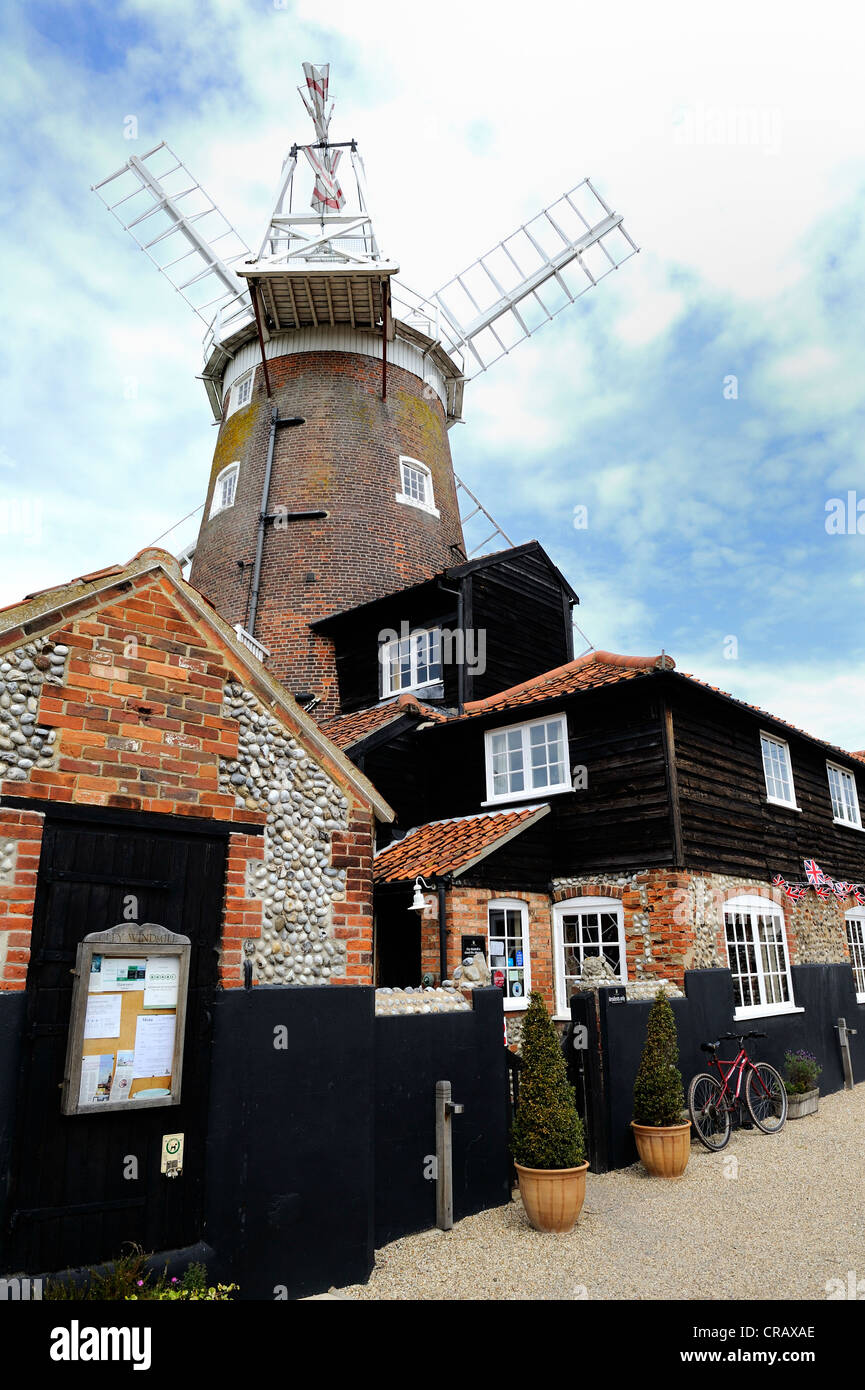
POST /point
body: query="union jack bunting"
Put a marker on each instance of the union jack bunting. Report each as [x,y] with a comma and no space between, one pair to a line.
[842,890]
[795,891]
[860,898]
[814,872]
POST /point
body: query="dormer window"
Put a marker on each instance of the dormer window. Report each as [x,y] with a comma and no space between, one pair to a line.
[241,392]
[412,662]
[416,484]
[224,489]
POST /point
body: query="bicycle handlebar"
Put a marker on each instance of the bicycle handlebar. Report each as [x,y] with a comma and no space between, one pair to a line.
[739,1037]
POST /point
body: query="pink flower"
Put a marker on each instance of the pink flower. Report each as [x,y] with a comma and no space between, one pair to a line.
[141,1283]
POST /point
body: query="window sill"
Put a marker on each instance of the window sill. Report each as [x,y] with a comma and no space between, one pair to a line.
[518,798]
[785,805]
[419,506]
[432,690]
[765,1011]
[219,511]
[860,998]
[848,824]
[515,1006]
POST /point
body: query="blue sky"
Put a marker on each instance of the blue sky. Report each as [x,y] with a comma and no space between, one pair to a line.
[731,141]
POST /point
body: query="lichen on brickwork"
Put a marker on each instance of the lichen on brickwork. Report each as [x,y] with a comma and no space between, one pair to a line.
[295,881]
[24,743]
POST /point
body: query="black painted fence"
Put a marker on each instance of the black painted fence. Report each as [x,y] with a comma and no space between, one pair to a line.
[319,1146]
[320,1131]
[824,993]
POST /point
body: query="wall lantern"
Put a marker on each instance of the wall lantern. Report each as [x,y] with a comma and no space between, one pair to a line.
[417,903]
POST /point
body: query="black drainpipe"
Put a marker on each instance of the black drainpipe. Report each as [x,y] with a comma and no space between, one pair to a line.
[461,666]
[443,935]
[275,422]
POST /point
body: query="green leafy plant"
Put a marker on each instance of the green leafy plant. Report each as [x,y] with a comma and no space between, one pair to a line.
[802,1070]
[547,1131]
[129,1280]
[658,1092]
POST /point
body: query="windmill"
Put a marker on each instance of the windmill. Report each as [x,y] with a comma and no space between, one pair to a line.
[335,385]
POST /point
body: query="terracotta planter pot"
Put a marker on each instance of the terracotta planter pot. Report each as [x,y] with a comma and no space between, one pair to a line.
[553,1197]
[805,1103]
[664,1149]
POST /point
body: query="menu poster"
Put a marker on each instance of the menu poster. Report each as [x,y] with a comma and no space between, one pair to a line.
[102,1019]
[154,1044]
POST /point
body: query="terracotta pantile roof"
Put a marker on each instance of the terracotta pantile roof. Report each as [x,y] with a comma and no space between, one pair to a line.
[587,672]
[345,730]
[451,846]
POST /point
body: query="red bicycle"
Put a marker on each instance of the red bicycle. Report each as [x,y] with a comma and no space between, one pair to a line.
[713,1102]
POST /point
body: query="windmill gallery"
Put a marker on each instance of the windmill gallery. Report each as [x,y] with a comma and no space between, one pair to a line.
[254,822]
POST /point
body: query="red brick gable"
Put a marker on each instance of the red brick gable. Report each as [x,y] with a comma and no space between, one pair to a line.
[138,720]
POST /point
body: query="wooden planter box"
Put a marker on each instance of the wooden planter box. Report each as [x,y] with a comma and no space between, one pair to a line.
[804,1104]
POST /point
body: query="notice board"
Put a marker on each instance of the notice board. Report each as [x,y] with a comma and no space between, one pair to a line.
[128,1014]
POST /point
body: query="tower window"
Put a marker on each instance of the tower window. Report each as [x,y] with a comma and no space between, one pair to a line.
[241,392]
[416,484]
[224,489]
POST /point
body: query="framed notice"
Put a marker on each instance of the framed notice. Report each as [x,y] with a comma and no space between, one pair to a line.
[126,1029]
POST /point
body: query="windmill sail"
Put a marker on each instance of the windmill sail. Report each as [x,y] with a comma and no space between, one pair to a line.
[179,228]
[505,295]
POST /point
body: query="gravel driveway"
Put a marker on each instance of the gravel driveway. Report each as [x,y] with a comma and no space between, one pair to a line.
[770,1217]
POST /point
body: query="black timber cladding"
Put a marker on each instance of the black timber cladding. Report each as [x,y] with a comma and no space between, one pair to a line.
[518,600]
[728,826]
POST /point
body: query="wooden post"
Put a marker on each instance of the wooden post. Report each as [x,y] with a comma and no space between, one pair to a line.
[846,1060]
[445,1109]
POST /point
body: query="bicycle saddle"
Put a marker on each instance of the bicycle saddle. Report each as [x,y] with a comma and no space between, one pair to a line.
[709,1047]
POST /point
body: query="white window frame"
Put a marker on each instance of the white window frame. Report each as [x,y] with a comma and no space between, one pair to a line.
[241,392]
[750,905]
[511,1004]
[428,504]
[565,909]
[217,505]
[844,820]
[528,791]
[855,917]
[773,800]
[384,661]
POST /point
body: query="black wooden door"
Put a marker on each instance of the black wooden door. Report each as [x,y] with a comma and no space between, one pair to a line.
[83,1185]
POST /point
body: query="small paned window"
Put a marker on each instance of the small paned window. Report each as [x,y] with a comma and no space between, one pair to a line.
[224,489]
[777,771]
[508,950]
[412,662]
[527,759]
[845,801]
[416,485]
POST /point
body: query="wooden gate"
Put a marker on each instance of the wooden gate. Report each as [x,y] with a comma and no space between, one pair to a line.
[84,1185]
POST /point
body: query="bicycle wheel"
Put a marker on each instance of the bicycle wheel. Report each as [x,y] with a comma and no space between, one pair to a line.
[767,1102]
[709,1115]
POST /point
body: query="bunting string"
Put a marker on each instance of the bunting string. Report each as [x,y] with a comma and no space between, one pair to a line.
[822,885]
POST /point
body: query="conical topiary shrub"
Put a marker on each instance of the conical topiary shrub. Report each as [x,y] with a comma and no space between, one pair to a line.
[547,1131]
[658,1093]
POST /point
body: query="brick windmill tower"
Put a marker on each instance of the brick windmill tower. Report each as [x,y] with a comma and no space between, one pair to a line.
[334,386]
